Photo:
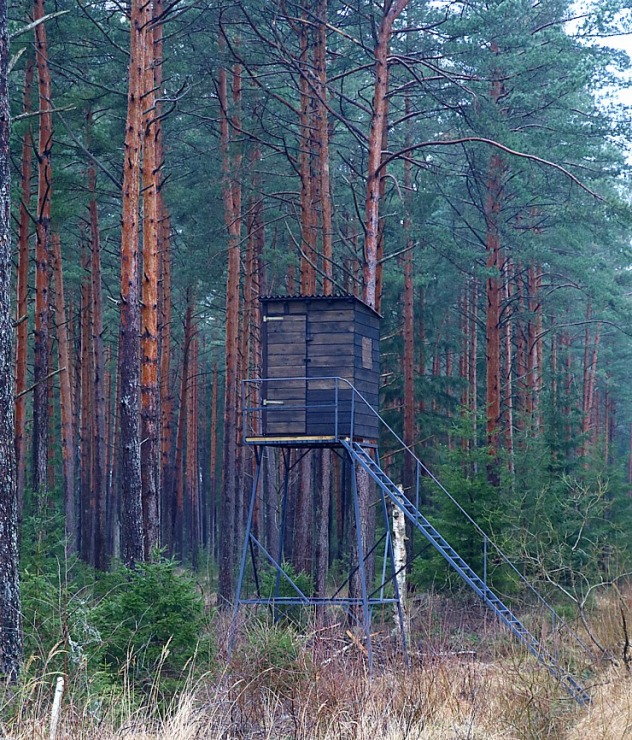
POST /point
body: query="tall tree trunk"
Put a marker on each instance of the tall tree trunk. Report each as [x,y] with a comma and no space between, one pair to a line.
[376,135]
[373,231]
[99,443]
[177,500]
[323,523]
[114,501]
[166,394]
[42,298]
[192,467]
[308,232]
[590,372]
[232,215]
[212,526]
[23,294]
[129,349]
[10,611]
[534,346]
[492,321]
[508,394]
[322,138]
[149,379]
[68,447]
[88,498]
[408,327]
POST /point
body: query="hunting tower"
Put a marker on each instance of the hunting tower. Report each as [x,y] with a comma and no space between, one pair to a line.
[319,389]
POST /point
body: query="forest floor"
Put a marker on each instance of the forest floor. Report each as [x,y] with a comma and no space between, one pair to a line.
[467,680]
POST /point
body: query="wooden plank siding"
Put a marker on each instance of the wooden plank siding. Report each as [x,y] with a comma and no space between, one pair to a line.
[320,337]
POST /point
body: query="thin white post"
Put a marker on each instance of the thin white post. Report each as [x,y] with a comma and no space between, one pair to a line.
[56,710]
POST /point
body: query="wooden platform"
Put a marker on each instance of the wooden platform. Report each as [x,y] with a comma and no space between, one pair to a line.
[304,441]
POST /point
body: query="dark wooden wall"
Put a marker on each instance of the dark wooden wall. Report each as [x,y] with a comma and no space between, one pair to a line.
[317,338]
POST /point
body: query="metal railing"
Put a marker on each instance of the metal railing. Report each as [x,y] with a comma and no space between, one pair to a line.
[257,406]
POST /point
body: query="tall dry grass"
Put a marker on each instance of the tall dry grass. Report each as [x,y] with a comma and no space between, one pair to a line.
[281,685]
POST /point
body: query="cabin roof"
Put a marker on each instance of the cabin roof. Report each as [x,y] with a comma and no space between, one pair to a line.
[339,298]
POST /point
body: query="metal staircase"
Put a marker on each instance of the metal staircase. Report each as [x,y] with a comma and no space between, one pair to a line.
[362,457]
[347,410]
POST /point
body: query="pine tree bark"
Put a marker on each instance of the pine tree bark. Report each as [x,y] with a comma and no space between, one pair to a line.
[149,376]
[99,439]
[88,499]
[308,232]
[22,321]
[508,376]
[192,464]
[323,522]
[322,138]
[10,610]
[212,525]
[166,394]
[373,231]
[232,216]
[492,319]
[408,298]
[68,446]
[376,135]
[177,499]
[129,349]
[41,363]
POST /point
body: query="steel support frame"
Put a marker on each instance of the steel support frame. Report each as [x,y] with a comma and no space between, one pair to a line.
[366,600]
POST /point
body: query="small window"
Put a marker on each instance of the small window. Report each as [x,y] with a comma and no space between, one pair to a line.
[367,353]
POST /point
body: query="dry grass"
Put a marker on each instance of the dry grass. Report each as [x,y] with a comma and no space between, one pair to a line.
[285,688]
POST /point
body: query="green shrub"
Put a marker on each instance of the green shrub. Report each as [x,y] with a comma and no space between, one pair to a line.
[273,657]
[152,624]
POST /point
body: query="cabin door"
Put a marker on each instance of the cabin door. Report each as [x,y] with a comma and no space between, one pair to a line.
[284,393]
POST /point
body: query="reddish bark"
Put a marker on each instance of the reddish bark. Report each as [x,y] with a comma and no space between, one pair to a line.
[192,454]
[232,216]
[149,377]
[42,298]
[494,303]
[88,498]
[590,372]
[323,520]
[129,346]
[322,133]
[68,448]
[473,363]
[99,439]
[464,360]
[376,136]
[213,464]
[409,365]
[308,232]
[166,394]
[177,499]
[22,320]
[508,375]
[534,346]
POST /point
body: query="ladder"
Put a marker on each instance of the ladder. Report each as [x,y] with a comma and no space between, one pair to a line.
[362,457]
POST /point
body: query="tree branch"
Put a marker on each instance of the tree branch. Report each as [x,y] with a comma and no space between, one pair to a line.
[498,145]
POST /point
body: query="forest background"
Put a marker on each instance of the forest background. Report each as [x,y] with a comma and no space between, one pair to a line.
[460,166]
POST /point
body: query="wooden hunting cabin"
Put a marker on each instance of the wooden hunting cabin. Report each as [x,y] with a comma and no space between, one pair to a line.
[307,343]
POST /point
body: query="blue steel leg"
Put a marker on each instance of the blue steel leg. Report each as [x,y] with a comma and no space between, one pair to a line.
[360,547]
[244,553]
